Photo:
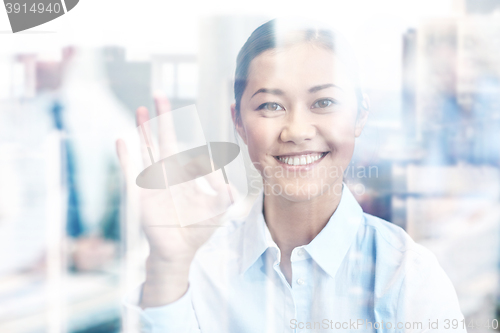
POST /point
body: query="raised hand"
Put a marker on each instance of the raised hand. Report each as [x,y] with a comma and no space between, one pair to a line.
[172,247]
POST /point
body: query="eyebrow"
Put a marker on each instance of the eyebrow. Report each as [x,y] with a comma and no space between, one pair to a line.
[269,91]
[280,92]
[323,86]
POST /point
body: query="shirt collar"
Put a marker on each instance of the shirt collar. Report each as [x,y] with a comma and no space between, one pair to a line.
[327,249]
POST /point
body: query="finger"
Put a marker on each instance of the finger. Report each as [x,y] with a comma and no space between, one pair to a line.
[142,115]
[166,129]
[121,151]
[162,104]
[146,142]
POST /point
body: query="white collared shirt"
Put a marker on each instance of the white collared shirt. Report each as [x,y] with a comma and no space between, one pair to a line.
[360,273]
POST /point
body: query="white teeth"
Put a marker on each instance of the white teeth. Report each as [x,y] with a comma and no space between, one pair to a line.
[301,160]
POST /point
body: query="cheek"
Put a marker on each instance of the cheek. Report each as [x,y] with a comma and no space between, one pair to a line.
[339,135]
[261,135]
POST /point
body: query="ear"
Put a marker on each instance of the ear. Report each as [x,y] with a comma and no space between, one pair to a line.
[362,117]
[238,123]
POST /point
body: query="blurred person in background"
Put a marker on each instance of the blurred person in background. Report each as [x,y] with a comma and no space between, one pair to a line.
[69,98]
[59,196]
[93,197]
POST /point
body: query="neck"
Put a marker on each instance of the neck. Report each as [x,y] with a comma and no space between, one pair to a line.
[292,223]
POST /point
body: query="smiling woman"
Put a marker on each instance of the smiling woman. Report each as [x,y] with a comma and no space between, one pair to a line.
[299,114]
[306,253]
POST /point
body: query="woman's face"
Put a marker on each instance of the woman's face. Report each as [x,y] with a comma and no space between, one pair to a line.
[299,120]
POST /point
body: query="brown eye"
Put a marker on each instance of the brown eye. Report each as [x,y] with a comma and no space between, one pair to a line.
[271,107]
[323,103]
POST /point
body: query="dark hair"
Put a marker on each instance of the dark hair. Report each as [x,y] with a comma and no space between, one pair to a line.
[284,32]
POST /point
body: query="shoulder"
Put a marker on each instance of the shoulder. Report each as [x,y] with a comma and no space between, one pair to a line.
[394,240]
[397,257]
[413,269]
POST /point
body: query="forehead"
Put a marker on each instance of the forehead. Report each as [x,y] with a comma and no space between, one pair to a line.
[301,65]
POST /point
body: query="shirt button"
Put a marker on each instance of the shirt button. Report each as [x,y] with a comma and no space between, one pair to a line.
[301,252]
[300,281]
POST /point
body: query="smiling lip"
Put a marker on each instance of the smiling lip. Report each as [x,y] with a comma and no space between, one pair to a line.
[301,159]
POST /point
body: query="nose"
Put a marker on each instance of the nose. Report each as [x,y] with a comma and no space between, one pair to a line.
[299,127]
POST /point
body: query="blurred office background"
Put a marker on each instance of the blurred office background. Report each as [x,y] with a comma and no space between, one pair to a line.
[428,161]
